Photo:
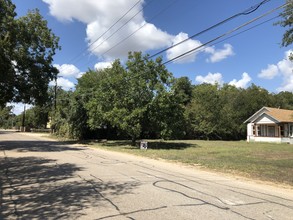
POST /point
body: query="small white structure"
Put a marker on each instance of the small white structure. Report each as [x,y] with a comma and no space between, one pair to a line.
[143,145]
[270,125]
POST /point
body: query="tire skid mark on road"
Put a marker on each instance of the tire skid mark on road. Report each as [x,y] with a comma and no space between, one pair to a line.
[171,181]
[107,162]
[99,193]
[243,216]
[96,178]
[191,179]
[162,180]
[133,212]
[266,200]
[94,188]
[203,202]
[227,187]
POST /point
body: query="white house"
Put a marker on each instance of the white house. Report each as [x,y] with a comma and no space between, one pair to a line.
[271,125]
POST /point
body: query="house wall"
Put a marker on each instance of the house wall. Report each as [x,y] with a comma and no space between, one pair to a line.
[265,120]
[269,139]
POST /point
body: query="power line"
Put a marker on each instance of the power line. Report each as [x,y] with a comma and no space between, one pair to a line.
[116,22]
[134,32]
[225,34]
[234,35]
[245,12]
[121,26]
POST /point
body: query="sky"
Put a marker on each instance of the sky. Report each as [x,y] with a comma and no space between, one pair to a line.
[93,33]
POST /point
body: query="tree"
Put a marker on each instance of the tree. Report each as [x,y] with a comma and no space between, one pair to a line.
[133,99]
[7,118]
[60,113]
[182,88]
[231,116]
[283,100]
[7,45]
[287,21]
[203,112]
[27,50]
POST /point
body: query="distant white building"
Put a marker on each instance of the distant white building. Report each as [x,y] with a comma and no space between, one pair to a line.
[270,125]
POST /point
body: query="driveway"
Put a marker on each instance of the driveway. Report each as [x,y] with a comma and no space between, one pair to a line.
[44,179]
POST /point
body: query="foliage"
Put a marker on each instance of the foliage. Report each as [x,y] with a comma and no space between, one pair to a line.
[35,117]
[7,118]
[60,113]
[203,111]
[27,47]
[287,21]
[182,89]
[134,99]
[143,100]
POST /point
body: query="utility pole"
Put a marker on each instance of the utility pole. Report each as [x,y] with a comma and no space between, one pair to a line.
[23,119]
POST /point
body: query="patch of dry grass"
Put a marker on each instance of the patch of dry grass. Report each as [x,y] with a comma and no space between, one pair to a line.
[263,161]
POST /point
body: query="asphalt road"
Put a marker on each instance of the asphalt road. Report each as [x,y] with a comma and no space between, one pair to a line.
[44,179]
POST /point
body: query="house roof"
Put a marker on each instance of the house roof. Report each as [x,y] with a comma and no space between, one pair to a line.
[280,115]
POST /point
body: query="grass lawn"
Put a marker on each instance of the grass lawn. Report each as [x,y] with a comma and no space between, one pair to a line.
[263,161]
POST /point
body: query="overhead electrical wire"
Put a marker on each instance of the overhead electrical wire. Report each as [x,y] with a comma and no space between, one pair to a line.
[245,12]
[233,30]
[225,34]
[116,22]
[122,26]
[234,35]
[134,32]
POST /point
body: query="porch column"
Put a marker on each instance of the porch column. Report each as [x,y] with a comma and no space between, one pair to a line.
[279,131]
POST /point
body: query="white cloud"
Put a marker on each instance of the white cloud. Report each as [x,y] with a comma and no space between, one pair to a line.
[218,55]
[63,83]
[243,82]
[269,73]
[18,108]
[102,65]
[68,70]
[100,15]
[287,85]
[182,48]
[284,69]
[211,78]
[286,66]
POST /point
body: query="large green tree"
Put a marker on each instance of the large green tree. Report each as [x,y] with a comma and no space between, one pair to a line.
[287,22]
[27,47]
[135,99]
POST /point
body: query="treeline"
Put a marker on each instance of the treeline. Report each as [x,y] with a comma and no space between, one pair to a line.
[143,100]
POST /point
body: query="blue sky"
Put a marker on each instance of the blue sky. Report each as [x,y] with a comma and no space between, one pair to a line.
[254,56]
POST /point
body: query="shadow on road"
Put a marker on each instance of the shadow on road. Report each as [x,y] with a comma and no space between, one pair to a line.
[36,146]
[39,188]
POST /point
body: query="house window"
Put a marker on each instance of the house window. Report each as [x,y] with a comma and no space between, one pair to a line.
[271,131]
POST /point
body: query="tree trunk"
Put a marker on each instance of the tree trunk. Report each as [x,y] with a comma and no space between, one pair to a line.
[133,141]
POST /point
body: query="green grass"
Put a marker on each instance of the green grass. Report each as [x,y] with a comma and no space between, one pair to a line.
[262,161]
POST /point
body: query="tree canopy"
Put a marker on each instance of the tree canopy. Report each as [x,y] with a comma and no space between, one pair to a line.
[27,47]
[287,22]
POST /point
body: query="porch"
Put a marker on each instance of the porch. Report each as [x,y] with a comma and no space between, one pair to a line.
[278,133]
